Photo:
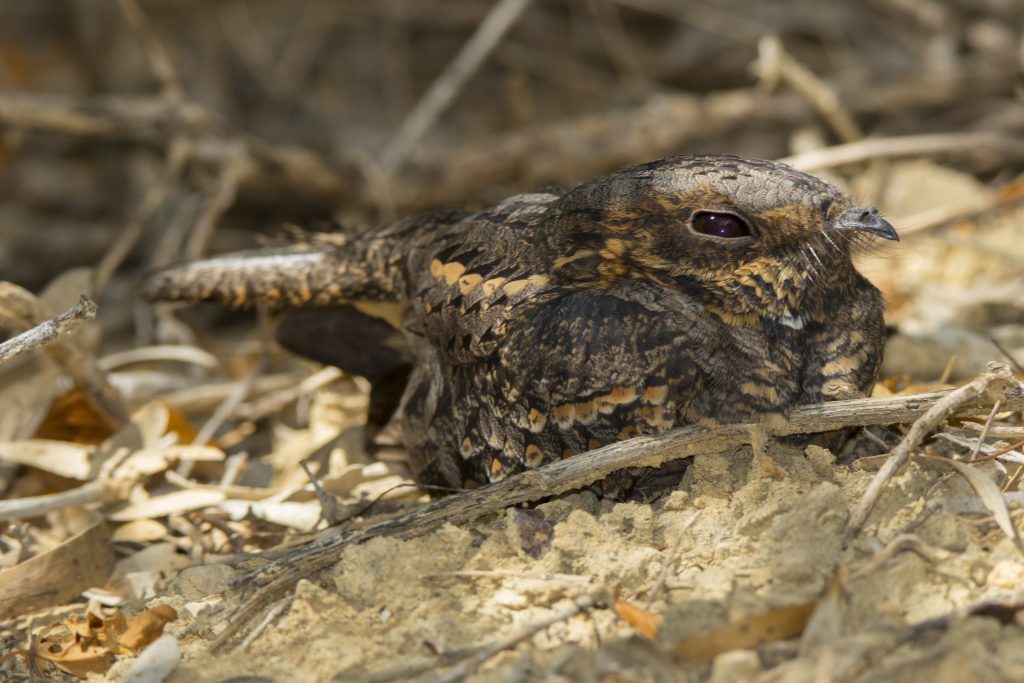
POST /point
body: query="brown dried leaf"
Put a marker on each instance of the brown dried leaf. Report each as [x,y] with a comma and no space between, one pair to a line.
[74,646]
[645,623]
[73,417]
[777,624]
[81,645]
[143,629]
[177,422]
[1011,192]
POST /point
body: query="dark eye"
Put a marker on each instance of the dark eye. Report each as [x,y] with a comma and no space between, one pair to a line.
[719,224]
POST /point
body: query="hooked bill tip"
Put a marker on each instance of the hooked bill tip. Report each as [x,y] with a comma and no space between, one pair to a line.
[868,220]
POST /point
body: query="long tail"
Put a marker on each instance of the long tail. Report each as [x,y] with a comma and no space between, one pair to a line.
[299,276]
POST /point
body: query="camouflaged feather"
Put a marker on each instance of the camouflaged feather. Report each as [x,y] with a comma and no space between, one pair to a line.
[549,325]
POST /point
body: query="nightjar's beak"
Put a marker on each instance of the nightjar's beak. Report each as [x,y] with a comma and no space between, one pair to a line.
[867,220]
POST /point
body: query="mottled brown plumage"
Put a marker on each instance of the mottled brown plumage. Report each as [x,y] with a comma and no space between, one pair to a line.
[692,289]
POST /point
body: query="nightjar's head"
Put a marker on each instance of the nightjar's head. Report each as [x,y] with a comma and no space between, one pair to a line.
[726,226]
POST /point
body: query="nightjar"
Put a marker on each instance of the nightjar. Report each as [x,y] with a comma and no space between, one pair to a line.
[687,290]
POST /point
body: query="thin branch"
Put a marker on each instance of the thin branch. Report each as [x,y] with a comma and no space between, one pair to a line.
[49,331]
[617,44]
[178,353]
[905,541]
[156,53]
[277,170]
[20,307]
[233,170]
[242,388]
[273,614]
[1006,352]
[991,453]
[144,118]
[1009,432]
[527,157]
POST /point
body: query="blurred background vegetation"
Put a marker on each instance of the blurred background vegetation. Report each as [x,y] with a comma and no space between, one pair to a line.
[265,111]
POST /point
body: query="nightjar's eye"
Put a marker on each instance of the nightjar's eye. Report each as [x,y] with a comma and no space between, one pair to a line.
[719,224]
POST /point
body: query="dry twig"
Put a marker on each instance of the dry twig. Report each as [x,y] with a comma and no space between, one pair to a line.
[272,614]
[528,157]
[19,308]
[234,168]
[670,558]
[49,331]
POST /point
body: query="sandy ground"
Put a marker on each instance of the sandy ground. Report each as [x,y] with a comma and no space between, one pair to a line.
[768,535]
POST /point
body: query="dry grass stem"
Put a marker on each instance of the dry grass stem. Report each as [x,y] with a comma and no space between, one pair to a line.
[998,145]
[470,664]
[775,64]
[997,377]
[448,84]
[37,506]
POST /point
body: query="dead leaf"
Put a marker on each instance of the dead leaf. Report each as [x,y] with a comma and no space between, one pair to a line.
[140,531]
[59,574]
[146,462]
[168,504]
[159,558]
[73,417]
[645,623]
[143,629]
[84,644]
[179,424]
[299,516]
[1011,192]
[152,421]
[74,646]
[69,460]
[159,418]
[777,624]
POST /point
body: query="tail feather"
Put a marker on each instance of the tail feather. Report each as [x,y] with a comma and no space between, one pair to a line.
[299,276]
